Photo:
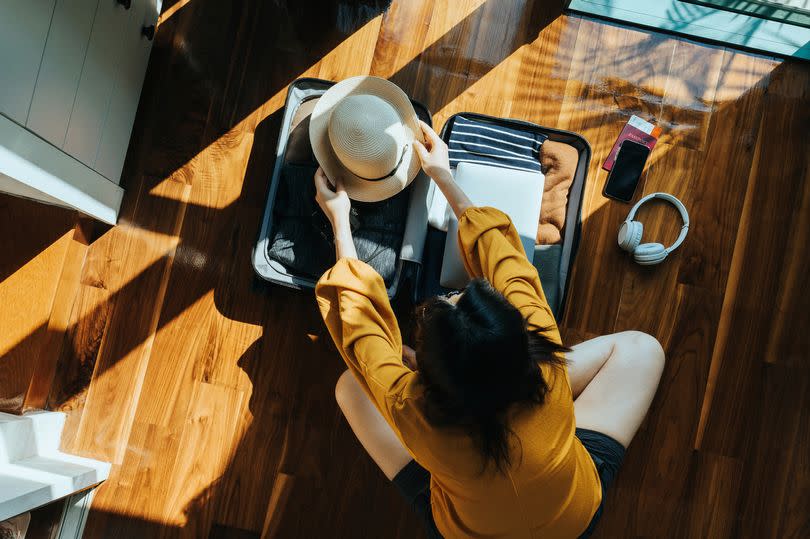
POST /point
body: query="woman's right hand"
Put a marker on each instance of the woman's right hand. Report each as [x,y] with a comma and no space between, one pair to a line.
[336,205]
[436,164]
[433,154]
[335,202]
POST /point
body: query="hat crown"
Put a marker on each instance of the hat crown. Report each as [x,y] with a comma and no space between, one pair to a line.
[367,135]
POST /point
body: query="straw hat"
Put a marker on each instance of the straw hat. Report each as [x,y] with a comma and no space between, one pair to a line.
[362,130]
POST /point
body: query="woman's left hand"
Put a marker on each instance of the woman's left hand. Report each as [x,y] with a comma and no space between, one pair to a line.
[334,203]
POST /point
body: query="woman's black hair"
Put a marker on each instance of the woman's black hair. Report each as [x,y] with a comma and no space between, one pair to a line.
[477,360]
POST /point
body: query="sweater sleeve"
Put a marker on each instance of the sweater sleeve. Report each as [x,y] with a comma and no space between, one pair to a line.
[354,304]
[492,249]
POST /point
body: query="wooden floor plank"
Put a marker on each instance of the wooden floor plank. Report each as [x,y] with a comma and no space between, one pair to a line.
[689,95]
[719,189]
[768,462]
[35,244]
[58,320]
[772,211]
[403,34]
[665,439]
[542,73]
[794,520]
[710,498]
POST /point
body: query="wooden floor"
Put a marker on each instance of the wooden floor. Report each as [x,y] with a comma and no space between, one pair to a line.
[212,395]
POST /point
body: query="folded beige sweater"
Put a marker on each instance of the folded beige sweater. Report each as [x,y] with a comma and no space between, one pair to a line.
[559,163]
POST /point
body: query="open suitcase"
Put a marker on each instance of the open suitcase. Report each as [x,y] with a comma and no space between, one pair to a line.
[420,248]
[302,93]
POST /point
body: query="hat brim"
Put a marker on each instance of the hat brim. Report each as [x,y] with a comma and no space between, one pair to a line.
[356,187]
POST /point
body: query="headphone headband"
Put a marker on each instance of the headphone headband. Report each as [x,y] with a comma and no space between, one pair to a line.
[678,205]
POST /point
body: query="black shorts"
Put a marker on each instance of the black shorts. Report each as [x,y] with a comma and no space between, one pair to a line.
[413,481]
[608,455]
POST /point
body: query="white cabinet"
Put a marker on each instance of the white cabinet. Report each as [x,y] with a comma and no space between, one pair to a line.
[61,67]
[23,30]
[71,73]
[126,89]
[97,83]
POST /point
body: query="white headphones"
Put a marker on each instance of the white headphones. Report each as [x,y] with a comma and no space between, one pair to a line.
[649,254]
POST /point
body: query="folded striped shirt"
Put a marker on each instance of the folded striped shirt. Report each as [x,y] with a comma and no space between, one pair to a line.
[472,141]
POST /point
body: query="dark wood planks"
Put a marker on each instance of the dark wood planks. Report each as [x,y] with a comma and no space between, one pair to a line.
[755,411]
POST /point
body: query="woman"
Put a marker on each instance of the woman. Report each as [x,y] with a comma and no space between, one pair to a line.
[491,428]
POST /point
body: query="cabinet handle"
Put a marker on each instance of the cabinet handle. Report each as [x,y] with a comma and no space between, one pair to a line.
[126,3]
[148,32]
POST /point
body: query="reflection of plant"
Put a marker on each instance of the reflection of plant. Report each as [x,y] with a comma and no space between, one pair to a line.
[684,14]
[785,11]
[687,14]
[615,72]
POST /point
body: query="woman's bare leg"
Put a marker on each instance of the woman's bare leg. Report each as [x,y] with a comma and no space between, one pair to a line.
[586,359]
[370,427]
[614,379]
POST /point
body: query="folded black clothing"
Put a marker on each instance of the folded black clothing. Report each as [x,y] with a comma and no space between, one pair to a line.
[473,141]
[301,236]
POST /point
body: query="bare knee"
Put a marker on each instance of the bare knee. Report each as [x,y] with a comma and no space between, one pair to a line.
[647,343]
[638,350]
[345,389]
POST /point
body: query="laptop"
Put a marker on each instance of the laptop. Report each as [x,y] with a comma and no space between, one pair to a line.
[517,193]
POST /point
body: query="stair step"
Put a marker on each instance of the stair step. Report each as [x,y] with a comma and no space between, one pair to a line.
[31,434]
[18,495]
[33,471]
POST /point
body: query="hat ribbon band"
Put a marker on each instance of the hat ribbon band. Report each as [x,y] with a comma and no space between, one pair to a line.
[393,171]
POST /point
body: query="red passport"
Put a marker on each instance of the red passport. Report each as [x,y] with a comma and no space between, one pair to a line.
[637,130]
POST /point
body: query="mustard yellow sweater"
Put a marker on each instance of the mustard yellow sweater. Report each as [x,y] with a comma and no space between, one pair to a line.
[554,489]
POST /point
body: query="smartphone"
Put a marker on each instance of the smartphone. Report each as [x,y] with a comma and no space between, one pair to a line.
[626,171]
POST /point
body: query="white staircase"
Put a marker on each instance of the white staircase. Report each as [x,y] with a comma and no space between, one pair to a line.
[33,471]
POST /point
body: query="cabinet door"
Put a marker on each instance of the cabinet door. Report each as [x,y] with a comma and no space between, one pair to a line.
[23,30]
[127,89]
[61,68]
[96,85]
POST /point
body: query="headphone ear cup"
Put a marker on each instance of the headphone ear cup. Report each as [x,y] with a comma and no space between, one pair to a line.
[630,235]
[649,254]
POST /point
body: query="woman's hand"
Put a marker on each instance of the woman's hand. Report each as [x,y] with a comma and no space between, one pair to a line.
[433,155]
[436,164]
[334,203]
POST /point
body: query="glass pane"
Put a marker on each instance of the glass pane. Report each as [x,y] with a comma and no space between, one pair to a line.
[796,12]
